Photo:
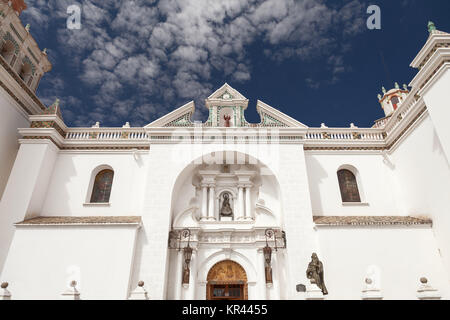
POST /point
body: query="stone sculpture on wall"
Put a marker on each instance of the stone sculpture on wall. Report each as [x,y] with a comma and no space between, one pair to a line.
[315,273]
[225,210]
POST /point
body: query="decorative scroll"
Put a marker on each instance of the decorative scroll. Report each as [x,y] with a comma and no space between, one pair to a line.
[270,121]
[183,121]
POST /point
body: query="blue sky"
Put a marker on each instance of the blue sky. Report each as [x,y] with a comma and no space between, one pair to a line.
[314,60]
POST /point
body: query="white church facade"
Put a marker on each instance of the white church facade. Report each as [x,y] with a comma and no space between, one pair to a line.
[225,209]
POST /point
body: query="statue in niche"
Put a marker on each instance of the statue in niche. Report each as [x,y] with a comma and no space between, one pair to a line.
[315,273]
[227,119]
[225,210]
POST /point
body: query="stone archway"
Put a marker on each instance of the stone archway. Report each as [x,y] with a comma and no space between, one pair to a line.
[227,280]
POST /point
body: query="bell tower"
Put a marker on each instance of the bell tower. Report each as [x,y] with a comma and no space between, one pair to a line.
[392,99]
[20,52]
[22,65]
[226,108]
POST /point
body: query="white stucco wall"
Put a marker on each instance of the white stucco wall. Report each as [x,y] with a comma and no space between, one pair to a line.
[27,187]
[69,184]
[376,184]
[10,120]
[423,176]
[402,254]
[437,99]
[44,259]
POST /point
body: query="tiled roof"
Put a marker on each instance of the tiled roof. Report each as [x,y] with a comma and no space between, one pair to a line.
[81,220]
[369,220]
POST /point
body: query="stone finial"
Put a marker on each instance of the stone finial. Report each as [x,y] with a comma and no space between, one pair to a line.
[405,87]
[27,27]
[96,125]
[370,290]
[126,125]
[71,293]
[396,85]
[4,293]
[352,126]
[56,103]
[322,125]
[431,27]
[139,293]
[380,97]
[44,51]
[427,292]
[384,90]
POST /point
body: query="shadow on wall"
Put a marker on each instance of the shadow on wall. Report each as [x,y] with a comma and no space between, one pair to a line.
[136,274]
[316,174]
[437,147]
[63,178]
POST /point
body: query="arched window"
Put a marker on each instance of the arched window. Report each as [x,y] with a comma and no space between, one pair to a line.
[348,186]
[101,190]
[26,73]
[8,52]
[7,49]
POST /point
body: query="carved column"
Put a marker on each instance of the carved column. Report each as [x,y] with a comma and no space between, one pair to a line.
[212,192]
[248,206]
[241,203]
[178,274]
[261,275]
[204,201]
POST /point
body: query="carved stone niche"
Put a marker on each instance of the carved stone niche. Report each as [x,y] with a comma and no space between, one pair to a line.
[224,181]
[226,204]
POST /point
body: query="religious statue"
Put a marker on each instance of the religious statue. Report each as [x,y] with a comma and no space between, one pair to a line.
[227,119]
[186,274]
[315,273]
[226,210]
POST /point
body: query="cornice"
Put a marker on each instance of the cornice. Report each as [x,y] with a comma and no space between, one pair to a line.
[439,71]
[311,139]
[432,43]
[188,108]
[439,58]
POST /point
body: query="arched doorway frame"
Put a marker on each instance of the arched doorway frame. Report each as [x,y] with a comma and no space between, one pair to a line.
[226,254]
[227,272]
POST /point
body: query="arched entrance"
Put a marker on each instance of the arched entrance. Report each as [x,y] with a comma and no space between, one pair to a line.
[227,280]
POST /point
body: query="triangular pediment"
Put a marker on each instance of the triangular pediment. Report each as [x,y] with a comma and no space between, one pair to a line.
[226,92]
[271,117]
[180,117]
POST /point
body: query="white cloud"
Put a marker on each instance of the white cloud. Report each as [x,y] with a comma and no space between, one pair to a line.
[168,50]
